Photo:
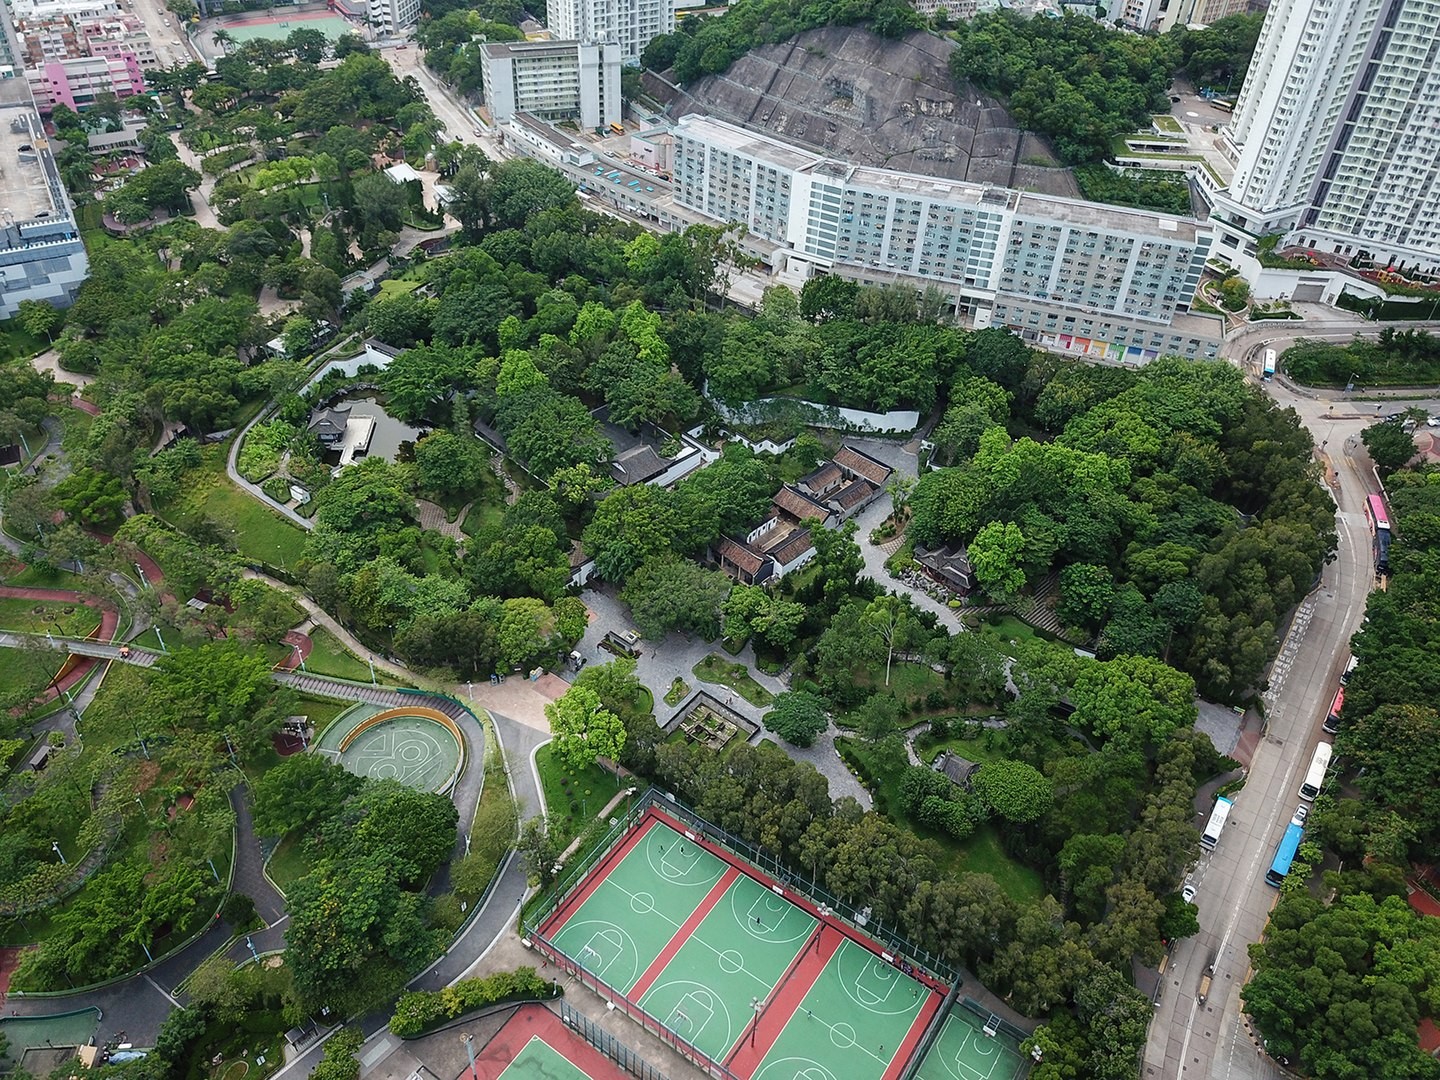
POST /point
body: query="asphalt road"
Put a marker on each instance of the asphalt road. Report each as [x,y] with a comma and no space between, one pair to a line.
[1187,1038]
[165,32]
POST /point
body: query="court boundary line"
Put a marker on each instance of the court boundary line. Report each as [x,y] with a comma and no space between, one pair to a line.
[650,810]
[682,934]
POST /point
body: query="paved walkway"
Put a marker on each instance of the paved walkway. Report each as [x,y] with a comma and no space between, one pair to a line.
[432,516]
[49,360]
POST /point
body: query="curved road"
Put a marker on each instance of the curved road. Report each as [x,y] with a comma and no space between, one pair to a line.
[1188,1039]
[138,1005]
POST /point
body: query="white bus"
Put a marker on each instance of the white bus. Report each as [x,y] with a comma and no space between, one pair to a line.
[1270,359]
[1316,776]
[1211,836]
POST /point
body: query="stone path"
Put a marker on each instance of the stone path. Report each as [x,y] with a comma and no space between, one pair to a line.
[432,516]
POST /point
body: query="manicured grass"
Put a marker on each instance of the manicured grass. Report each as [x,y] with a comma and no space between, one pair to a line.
[288,864]
[1007,631]
[906,680]
[982,854]
[329,657]
[41,577]
[568,806]
[16,341]
[322,711]
[258,534]
[38,616]
[676,694]
[716,669]
[13,674]
[482,515]
[390,288]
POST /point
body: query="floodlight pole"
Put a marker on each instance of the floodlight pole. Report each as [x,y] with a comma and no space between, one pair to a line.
[469,1041]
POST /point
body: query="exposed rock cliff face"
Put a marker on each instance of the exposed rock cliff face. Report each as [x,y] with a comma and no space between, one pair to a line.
[873,101]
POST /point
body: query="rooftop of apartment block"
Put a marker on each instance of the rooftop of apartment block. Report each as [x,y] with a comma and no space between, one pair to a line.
[1071,211]
[499,50]
[24,187]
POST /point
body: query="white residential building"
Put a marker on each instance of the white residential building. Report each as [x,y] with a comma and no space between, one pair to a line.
[389,17]
[1336,133]
[554,80]
[1097,279]
[631,24]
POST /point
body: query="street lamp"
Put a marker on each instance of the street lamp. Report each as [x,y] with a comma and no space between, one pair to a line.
[757,1005]
[469,1041]
[56,845]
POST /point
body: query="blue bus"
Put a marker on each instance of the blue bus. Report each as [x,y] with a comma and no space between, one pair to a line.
[1285,855]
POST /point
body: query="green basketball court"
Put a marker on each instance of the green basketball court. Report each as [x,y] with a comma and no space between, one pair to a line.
[852,1022]
[541,1061]
[734,968]
[964,1052]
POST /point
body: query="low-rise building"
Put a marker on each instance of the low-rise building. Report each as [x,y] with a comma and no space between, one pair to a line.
[76,82]
[553,80]
[830,495]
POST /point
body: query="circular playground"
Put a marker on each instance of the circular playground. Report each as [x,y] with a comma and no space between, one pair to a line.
[418,746]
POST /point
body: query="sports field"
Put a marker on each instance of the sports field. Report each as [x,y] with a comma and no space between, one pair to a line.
[732,967]
[409,745]
[540,1059]
[244,28]
[964,1052]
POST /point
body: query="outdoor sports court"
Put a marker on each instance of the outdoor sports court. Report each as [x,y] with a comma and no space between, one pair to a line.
[744,975]
[534,1044]
[244,28]
[964,1052]
[416,746]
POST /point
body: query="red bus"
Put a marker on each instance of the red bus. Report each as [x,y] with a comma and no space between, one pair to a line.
[1375,515]
[1379,522]
[1332,722]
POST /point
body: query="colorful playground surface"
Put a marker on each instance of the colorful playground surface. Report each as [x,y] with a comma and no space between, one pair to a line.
[735,970]
[420,747]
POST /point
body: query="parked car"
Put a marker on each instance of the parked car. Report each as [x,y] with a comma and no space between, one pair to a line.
[1188,893]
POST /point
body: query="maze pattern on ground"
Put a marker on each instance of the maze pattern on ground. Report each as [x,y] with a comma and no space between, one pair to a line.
[725,960]
[417,750]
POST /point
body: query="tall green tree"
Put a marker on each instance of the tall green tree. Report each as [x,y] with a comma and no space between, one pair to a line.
[583,729]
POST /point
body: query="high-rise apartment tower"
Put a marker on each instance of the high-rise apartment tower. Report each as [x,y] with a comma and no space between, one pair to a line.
[631,24]
[1336,133]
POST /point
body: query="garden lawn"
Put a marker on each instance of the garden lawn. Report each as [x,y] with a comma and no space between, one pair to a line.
[38,616]
[41,577]
[1007,628]
[907,681]
[288,864]
[329,657]
[258,534]
[482,515]
[716,669]
[567,805]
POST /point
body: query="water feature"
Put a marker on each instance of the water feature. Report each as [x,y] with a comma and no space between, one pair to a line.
[388,433]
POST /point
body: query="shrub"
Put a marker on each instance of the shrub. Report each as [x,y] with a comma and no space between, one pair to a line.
[419,1011]
[277,488]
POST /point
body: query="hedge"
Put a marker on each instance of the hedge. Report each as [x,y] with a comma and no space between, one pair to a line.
[420,1011]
